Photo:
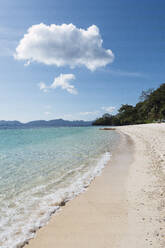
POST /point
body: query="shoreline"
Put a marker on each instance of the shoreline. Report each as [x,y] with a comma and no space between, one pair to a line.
[80,219]
[146,187]
[123,207]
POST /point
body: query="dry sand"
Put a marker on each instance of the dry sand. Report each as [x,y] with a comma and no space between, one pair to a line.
[122,208]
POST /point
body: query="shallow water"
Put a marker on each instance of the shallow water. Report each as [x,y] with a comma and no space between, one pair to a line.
[40,169]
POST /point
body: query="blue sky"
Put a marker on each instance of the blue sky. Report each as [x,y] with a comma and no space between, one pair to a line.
[133,30]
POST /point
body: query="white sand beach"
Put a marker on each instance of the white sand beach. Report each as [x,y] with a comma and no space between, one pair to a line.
[124,207]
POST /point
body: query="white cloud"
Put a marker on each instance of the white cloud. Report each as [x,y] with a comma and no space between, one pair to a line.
[43,87]
[67,117]
[86,116]
[47,113]
[90,113]
[109,109]
[63,45]
[62,81]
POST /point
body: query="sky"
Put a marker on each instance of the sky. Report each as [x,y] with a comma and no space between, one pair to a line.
[77,60]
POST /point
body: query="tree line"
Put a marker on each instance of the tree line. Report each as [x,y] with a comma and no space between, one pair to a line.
[150,108]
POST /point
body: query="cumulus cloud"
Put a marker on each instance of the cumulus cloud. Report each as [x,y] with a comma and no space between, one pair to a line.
[64,45]
[109,109]
[63,81]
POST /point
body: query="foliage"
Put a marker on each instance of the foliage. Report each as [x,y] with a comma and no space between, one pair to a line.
[145,94]
[150,108]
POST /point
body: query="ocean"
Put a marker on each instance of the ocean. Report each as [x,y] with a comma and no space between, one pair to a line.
[41,169]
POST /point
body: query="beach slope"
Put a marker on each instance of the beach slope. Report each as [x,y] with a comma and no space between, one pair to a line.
[124,206]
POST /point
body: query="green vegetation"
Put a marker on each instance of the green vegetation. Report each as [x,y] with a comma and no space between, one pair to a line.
[150,108]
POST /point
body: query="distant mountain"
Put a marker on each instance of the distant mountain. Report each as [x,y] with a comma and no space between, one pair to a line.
[43,123]
[10,124]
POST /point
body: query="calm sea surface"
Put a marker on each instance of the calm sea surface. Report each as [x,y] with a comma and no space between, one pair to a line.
[41,168]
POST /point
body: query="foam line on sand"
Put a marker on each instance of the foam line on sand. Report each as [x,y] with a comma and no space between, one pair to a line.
[123,207]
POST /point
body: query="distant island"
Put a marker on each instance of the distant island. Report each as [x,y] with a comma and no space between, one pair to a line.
[150,108]
[43,123]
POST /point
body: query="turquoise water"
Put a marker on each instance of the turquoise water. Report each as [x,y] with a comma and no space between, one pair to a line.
[40,168]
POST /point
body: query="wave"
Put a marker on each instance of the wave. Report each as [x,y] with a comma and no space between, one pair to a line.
[17,234]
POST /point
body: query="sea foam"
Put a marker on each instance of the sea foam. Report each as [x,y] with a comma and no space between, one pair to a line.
[26,205]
